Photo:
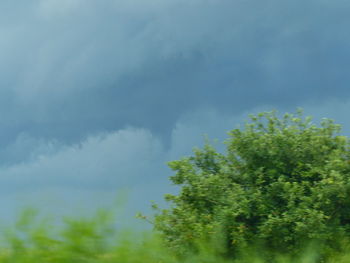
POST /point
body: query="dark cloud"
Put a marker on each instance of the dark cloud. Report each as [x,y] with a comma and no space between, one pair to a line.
[74,68]
[75,75]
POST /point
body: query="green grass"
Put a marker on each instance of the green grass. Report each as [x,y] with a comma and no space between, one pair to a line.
[97,240]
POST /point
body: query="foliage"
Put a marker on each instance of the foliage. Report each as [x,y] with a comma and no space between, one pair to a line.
[282,183]
[97,240]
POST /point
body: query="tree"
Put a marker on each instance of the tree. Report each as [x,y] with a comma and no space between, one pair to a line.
[282,181]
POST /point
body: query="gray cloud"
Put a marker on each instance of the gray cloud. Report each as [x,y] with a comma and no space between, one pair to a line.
[64,180]
[75,75]
[100,161]
[74,68]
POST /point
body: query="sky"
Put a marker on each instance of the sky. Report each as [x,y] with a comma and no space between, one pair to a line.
[97,96]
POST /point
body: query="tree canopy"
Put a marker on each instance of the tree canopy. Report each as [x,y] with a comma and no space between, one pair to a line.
[282,181]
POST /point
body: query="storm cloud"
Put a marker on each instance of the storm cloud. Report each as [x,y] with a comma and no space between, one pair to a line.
[96,95]
[72,68]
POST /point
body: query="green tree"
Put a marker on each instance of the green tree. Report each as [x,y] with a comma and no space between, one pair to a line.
[282,182]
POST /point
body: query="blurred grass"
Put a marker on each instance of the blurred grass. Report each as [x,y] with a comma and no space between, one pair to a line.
[97,239]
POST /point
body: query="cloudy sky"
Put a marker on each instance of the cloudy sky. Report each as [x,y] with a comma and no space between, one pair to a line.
[96,96]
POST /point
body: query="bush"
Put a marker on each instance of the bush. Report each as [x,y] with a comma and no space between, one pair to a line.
[282,183]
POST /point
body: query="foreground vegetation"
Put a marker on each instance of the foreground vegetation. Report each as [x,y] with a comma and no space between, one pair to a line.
[97,240]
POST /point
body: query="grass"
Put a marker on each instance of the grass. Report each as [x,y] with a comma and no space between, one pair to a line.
[98,240]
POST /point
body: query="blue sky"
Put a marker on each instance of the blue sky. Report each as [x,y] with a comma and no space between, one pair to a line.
[96,96]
